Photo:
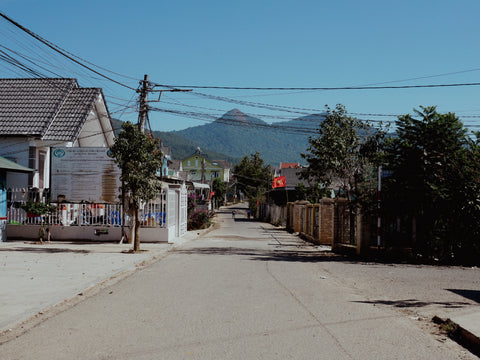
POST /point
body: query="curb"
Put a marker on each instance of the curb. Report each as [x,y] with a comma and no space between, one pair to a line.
[459,334]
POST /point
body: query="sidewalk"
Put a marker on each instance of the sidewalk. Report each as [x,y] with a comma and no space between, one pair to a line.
[38,280]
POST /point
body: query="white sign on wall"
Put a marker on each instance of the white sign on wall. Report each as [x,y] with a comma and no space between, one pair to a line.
[84,174]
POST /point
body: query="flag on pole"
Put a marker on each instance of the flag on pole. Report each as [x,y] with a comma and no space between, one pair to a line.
[279,181]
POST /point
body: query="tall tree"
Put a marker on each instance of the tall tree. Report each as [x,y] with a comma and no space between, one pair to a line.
[435,168]
[253,177]
[342,152]
[220,189]
[139,157]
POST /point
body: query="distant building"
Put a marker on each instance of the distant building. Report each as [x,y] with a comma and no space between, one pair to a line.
[292,172]
[167,157]
[290,165]
[200,169]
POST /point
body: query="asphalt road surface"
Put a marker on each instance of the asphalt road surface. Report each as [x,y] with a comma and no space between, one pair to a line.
[248,290]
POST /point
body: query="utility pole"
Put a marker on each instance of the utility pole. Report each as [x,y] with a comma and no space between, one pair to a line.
[203,172]
[143,106]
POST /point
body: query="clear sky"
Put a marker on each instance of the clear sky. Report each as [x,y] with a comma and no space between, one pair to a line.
[258,43]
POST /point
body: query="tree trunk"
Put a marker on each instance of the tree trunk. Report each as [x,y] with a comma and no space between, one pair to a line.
[136,242]
[131,236]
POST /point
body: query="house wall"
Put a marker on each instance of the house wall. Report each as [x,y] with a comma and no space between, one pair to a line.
[226,175]
[87,233]
[16,149]
[105,122]
[91,134]
[196,164]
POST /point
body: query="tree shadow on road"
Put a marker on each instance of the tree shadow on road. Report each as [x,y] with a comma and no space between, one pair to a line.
[414,303]
[269,254]
[46,250]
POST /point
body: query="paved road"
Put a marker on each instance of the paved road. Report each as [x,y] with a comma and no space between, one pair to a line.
[243,291]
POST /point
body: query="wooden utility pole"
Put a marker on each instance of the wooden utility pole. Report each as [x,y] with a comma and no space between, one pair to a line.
[143,104]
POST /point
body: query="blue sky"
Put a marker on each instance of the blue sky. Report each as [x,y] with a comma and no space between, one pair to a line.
[256,43]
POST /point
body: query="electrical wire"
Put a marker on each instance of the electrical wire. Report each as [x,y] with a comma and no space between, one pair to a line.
[320,88]
[61,51]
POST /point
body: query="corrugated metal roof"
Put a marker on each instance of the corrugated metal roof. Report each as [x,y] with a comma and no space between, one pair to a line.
[50,109]
[8,165]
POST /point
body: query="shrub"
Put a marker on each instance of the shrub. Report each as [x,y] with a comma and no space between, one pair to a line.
[200,219]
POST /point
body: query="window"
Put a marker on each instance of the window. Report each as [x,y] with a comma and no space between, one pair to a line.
[188,163]
[215,174]
[193,172]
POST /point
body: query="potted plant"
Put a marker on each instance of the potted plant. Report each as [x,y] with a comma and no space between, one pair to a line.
[39,209]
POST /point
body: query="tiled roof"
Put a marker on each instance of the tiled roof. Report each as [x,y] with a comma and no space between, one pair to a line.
[175,164]
[50,109]
[72,114]
[289,165]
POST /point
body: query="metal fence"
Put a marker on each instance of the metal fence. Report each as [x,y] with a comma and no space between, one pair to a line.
[151,214]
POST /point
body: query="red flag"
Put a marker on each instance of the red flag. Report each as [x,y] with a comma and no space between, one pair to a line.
[279,181]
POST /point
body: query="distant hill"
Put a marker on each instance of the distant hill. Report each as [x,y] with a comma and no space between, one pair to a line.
[237,134]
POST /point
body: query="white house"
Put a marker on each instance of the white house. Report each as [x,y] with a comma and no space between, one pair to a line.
[36,114]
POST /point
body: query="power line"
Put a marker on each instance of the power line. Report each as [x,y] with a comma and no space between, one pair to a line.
[61,51]
[321,88]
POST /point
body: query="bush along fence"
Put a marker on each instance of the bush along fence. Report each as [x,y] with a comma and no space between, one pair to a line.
[330,222]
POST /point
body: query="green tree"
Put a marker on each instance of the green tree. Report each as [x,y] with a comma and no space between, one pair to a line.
[253,178]
[312,193]
[343,152]
[220,189]
[435,178]
[139,157]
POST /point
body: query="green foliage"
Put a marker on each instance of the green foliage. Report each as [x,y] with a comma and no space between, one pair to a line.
[253,176]
[341,153]
[312,194]
[200,219]
[38,208]
[139,157]
[197,218]
[435,181]
[220,189]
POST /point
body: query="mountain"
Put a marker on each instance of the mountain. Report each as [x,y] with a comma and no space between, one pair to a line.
[236,134]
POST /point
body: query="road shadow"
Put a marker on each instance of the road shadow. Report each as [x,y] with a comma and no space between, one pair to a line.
[414,303]
[268,254]
[45,250]
[473,295]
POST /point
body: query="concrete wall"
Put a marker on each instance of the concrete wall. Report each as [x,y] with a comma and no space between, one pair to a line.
[86,233]
[325,223]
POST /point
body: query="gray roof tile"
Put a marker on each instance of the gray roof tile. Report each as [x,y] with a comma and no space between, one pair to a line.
[50,109]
